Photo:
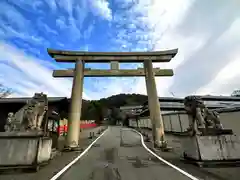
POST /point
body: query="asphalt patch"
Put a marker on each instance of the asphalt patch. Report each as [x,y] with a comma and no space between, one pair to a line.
[96,145]
[106,171]
[111,154]
[137,162]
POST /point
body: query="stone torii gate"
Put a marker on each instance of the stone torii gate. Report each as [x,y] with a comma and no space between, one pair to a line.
[80,58]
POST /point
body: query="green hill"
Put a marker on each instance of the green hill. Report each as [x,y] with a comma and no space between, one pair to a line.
[98,109]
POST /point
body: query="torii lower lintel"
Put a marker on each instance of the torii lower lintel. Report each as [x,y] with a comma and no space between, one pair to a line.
[112,73]
[108,59]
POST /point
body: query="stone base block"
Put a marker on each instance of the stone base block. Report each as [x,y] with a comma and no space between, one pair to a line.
[212,148]
[24,150]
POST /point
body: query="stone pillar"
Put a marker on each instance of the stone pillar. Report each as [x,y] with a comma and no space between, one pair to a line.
[114,65]
[154,105]
[75,106]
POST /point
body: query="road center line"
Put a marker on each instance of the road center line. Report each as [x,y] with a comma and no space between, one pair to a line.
[56,176]
[163,160]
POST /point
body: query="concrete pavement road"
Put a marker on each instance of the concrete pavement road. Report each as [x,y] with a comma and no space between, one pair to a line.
[119,155]
[206,173]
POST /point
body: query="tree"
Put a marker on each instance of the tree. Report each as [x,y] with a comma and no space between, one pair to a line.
[4,91]
[96,111]
[109,107]
[236,93]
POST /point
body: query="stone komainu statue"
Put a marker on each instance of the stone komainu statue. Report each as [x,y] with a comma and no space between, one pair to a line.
[212,118]
[10,126]
[197,111]
[30,117]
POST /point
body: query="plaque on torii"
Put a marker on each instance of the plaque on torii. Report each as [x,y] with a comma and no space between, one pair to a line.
[82,57]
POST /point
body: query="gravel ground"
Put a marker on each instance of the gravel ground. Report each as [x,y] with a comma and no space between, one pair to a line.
[46,172]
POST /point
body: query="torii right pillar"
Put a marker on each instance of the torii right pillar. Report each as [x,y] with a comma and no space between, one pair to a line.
[154,107]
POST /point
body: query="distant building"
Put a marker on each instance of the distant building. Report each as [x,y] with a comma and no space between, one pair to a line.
[173,104]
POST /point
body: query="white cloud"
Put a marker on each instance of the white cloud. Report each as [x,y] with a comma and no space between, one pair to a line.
[73,29]
[98,7]
[141,25]
[29,6]
[52,4]
[9,32]
[152,25]
[161,25]
[87,33]
[105,87]
[67,5]
[43,26]
[101,8]
[27,75]
[226,80]
[70,27]
[61,22]
[13,17]
[13,24]
[81,13]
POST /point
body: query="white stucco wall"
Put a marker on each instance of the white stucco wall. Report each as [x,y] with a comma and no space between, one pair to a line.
[178,122]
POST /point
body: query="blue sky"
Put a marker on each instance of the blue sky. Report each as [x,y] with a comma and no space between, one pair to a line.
[207,35]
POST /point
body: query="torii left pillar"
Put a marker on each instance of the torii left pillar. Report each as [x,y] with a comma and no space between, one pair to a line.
[72,141]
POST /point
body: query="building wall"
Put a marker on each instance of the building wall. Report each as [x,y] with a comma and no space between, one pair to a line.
[177,122]
[231,120]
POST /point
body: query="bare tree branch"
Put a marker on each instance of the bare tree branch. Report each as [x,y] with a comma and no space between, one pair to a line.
[4,91]
[236,93]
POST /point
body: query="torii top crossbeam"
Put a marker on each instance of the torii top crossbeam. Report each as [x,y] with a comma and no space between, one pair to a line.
[105,57]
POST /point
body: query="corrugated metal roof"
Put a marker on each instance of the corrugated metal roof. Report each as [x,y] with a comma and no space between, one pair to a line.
[205,98]
[219,110]
[180,106]
[220,98]
[176,106]
[228,109]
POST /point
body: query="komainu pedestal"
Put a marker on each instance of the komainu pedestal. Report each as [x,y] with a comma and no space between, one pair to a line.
[25,142]
[211,149]
[24,149]
[208,142]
